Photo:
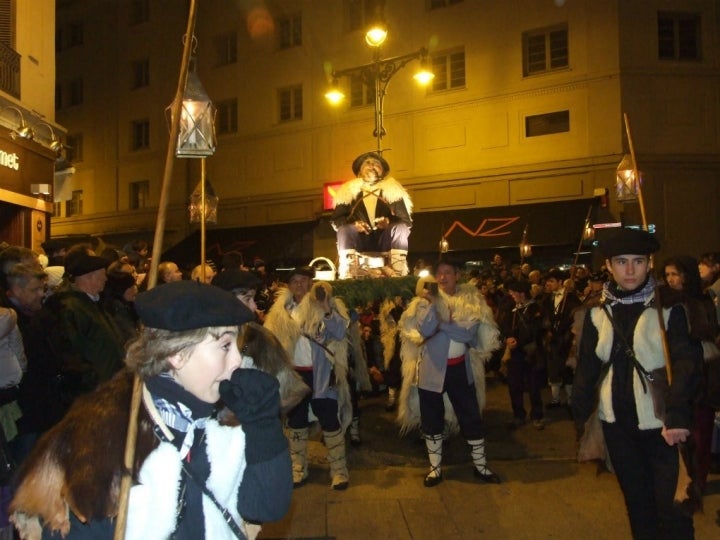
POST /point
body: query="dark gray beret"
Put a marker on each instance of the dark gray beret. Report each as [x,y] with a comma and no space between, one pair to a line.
[629,242]
[187,305]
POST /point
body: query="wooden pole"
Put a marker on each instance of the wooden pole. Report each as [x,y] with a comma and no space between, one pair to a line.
[129,459]
[658,307]
[202,220]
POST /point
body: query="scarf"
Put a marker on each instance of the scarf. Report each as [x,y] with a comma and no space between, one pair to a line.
[179,409]
[643,294]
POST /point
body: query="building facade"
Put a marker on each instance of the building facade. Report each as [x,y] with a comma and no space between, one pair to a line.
[522,124]
[29,136]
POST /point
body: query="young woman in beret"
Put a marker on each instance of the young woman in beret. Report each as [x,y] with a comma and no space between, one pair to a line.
[194,477]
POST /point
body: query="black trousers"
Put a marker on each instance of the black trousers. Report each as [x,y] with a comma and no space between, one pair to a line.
[464,401]
[325,409]
[647,469]
[522,374]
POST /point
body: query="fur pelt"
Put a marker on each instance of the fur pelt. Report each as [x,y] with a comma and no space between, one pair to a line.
[269,356]
[388,331]
[466,305]
[77,464]
[360,369]
[390,189]
[311,315]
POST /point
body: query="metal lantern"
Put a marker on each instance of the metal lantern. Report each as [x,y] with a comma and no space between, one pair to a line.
[628,180]
[196,136]
[195,207]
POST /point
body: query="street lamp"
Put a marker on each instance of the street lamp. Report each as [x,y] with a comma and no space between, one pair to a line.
[377,74]
[53,142]
[23,130]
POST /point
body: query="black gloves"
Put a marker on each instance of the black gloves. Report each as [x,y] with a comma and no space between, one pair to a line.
[254,397]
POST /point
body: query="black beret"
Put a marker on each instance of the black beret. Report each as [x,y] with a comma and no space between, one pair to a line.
[629,242]
[518,285]
[362,157]
[84,264]
[231,280]
[307,271]
[598,276]
[188,304]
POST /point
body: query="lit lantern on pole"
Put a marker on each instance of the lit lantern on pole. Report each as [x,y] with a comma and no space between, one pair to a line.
[196,138]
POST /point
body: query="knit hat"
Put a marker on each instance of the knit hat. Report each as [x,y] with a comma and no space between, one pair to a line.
[629,242]
[187,305]
[374,155]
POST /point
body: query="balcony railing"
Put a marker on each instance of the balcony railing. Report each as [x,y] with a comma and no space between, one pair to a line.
[9,71]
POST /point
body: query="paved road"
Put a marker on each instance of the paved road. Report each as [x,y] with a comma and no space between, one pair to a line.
[545,494]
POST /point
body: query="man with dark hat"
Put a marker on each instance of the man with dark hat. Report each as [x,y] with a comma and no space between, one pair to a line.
[621,349]
[55,251]
[312,325]
[242,283]
[95,343]
[372,214]
[521,326]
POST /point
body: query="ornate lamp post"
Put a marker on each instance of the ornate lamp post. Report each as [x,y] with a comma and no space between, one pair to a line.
[377,75]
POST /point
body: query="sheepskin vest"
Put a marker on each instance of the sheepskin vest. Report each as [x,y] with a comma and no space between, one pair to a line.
[647,345]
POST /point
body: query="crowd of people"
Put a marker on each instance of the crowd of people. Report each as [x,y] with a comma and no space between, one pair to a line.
[227,345]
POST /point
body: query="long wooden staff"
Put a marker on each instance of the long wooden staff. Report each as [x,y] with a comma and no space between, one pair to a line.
[636,176]
[573,268]
[130,441]
[686,489]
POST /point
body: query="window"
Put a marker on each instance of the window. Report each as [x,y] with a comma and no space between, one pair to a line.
[58,40]
[75,34]
[140,135]
[678,36]
[545,50]
[74,148]
[57,209]
[141,73]
[290,31]
[547,124]
[360,13]
[139,11]
[74,206]
[225,49]
[290,103]
[360,93]
[76,92]
[449,70]
[58,97]
[139,194]
[435,4]
[227,117]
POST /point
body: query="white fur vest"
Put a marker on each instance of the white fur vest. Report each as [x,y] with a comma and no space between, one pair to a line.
[647,345]
[390,189]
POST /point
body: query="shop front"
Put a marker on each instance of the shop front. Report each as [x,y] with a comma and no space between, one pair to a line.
[26,180]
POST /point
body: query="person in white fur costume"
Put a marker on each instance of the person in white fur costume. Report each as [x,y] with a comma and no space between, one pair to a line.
[448,332]
[372,214]
[312,326]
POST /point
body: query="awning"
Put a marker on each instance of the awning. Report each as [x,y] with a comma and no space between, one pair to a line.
[289,242]
[557,223]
